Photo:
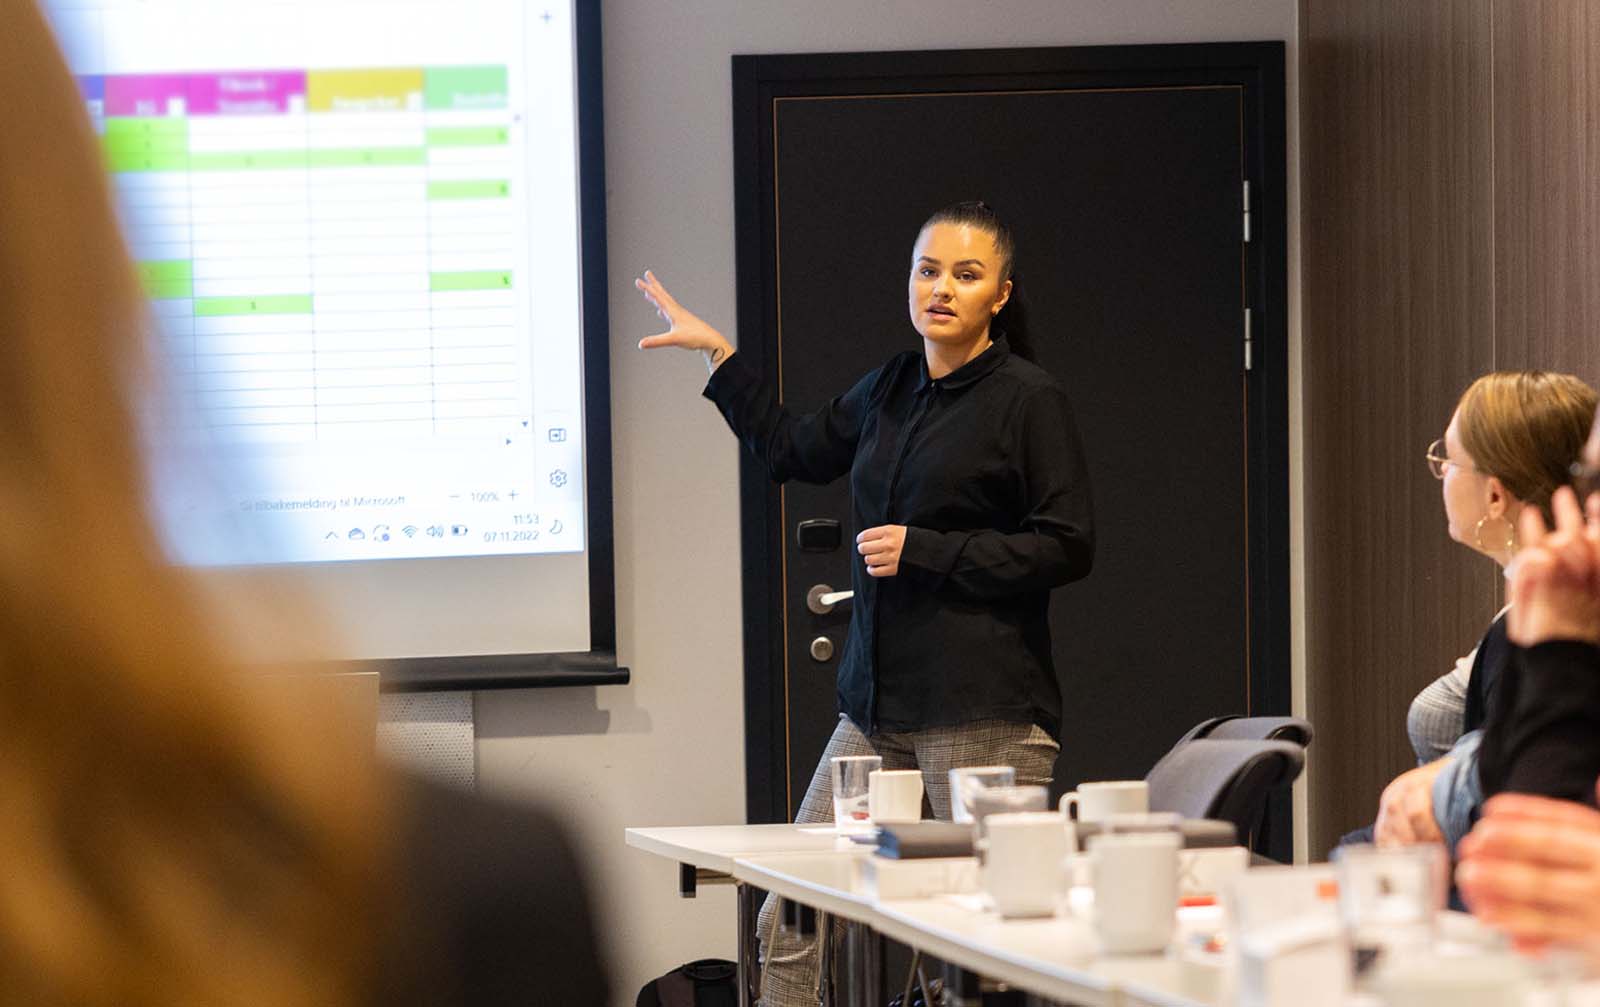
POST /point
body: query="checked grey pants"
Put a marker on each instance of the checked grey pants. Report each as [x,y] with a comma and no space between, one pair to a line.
[789,961]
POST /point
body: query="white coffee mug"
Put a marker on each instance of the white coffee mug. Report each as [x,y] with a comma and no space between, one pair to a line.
[894,796]
[1022,871]
[1098,801]
[1135,889]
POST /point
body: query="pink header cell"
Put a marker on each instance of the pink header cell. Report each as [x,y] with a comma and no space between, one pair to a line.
[145,94]
[266,92]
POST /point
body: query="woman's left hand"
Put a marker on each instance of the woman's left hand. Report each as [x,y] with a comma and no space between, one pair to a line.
[881,548]
[1555,583]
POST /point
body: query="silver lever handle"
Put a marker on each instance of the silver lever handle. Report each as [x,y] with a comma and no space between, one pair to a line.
[822,597]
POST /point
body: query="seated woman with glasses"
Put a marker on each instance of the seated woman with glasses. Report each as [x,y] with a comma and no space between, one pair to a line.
[1531,866]
[1508,447]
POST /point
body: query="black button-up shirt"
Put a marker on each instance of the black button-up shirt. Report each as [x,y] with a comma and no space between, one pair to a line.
[984,468]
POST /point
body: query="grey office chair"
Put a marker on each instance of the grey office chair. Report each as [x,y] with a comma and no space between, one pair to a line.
[1237,727]
[1224,779]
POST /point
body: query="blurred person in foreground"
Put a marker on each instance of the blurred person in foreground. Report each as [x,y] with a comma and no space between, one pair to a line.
[176,829]
[1531,865]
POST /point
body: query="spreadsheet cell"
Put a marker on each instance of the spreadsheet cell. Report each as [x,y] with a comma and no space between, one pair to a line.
[252,415]
[388,430]
[376,321]
[421,409]
[356,377]
[230,381]
[256,398]
[263,433]
[476,391]
[331,192]
[404,227]
[474,317]
[503,356]
[244,325]
[374,395]
[444,374]
[462,409]
[244,248]
[331,343]
[275,342]
[271,363]
[486,335]
[278,185]
[357,361]
[367,303]
[417,244]
[356,283]
[270,229]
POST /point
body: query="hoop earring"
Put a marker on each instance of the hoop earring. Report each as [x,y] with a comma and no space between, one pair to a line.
[1510,539]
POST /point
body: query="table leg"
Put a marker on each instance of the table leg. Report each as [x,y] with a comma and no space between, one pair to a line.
[864,962]
[746,967]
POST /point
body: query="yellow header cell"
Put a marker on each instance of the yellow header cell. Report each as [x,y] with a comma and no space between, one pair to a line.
[364,90]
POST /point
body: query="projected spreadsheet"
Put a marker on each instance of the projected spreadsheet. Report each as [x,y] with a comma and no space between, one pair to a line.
[345,262]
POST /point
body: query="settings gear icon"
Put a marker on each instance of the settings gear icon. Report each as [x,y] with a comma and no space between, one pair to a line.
[558,478]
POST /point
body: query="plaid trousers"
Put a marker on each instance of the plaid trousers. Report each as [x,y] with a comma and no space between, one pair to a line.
[789,962]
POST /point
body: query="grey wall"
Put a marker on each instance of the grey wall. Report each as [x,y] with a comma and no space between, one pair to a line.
[667,750]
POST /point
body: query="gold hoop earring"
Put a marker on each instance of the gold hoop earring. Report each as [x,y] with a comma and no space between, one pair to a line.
[1510,539]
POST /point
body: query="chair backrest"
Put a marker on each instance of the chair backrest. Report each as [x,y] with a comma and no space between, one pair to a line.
[1238,727]
[1226,779]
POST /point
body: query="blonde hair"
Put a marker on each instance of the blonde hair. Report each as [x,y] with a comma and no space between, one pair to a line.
[1526,428]
[168,836]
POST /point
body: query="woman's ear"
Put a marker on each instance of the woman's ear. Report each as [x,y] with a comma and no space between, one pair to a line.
[1000,302]
[1500,500]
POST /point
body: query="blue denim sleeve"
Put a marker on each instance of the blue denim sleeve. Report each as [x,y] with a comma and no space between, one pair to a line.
[1457,792]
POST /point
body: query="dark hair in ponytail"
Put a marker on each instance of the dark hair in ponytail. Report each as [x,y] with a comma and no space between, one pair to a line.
[1012,320]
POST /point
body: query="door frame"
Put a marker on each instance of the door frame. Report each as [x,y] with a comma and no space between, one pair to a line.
[759,80]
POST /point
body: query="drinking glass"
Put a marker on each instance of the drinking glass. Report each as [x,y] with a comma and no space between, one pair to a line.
[1388,899]
[852,778]
[968,780]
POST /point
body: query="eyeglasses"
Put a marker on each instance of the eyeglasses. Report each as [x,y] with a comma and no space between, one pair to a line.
[1437,460]
[1585,479]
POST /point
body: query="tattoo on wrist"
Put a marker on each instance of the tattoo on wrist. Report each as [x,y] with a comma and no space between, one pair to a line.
[716,355]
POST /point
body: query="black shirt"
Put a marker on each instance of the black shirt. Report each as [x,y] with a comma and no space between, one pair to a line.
[984,468]
[1543,737]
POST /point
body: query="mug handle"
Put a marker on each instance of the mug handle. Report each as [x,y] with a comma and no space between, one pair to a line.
[1069,803]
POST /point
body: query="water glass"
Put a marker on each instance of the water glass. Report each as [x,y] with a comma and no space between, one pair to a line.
[1388,899]
[968,780]
[852,781]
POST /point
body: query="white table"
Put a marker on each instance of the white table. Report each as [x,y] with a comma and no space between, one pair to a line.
[706,855]
[1055,959]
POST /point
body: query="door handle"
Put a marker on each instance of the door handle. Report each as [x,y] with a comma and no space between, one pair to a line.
[822,597]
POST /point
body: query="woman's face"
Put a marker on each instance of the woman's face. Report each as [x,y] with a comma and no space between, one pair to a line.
[1464,492]
[955,289]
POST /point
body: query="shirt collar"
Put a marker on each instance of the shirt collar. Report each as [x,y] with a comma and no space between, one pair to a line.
[969,372]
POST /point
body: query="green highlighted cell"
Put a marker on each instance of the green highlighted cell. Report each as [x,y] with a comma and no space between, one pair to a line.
[469,136]
[248,160]
[462,88]
[170,279]
[487,189]
[146,144]
[492,279]
[270,304]
[360,157]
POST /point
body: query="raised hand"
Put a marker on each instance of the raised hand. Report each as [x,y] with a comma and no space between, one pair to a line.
[685,330]
[1555,581]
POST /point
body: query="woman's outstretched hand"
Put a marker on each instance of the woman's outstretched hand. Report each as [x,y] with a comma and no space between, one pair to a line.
[1555,585]
[685,330]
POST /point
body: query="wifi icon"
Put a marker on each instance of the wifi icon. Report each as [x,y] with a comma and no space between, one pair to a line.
[410,531]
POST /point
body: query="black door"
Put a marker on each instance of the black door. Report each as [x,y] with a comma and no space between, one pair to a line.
[1126,186]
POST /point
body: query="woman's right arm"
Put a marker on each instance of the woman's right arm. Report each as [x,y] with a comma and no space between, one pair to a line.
[814,447]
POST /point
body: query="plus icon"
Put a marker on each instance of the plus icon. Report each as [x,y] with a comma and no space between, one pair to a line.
[512,494]
[545,17]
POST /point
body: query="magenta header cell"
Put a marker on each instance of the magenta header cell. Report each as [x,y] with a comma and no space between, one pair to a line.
[265,92]
[145,94]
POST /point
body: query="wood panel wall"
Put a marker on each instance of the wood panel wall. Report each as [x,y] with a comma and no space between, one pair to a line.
[1448,228]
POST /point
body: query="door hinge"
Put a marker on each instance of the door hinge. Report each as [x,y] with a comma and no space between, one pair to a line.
[1249,343]
[1247,210]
